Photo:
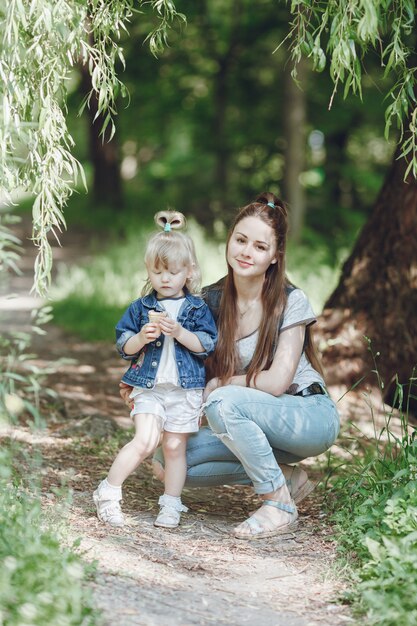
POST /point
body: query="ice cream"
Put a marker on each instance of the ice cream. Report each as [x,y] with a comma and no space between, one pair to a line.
[155,316]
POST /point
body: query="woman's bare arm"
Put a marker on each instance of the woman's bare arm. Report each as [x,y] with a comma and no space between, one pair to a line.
[280,375]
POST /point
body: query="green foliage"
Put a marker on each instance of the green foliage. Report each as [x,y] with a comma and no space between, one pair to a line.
[341,35]
[89,319]
[9,243]
[41,583]
[21,379]
[167,13]
[205,129]
[40,46]
[311,268]
[376,519]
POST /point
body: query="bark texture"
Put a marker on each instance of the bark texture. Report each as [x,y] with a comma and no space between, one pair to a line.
[104,154]
[377,293]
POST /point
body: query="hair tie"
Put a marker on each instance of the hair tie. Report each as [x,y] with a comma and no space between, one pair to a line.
[167,227]
[271,204]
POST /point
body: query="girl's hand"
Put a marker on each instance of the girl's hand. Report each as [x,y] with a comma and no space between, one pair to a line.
[150,332]
[125,391]
[170,327]
[211,386]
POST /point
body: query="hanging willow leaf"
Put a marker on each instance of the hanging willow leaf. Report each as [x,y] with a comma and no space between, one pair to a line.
[342,34]
[40,43]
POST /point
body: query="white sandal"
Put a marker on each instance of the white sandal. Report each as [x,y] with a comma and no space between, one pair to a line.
[257,530]
[170,513]
[299,492]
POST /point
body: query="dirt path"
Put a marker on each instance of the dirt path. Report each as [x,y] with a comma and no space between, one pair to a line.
[198,574]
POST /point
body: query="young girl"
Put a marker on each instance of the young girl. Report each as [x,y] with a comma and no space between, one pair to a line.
[167,334]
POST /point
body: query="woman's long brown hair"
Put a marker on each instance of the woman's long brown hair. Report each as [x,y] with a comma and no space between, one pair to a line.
[224,362]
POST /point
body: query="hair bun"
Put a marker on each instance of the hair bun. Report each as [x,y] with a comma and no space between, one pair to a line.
[174,218]
[268,198]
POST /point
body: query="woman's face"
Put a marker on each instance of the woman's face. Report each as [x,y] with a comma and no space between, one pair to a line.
[252,247]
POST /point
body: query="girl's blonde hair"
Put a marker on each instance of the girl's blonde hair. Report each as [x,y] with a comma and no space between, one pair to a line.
[172,247]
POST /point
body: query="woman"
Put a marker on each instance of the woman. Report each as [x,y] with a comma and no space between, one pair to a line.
[266,401]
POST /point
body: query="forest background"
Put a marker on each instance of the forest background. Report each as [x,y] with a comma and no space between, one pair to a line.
[208,123]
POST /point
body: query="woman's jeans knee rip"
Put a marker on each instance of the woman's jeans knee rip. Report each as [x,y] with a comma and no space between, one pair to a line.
[214,411]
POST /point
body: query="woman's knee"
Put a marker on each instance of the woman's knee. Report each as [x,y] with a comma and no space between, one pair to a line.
[222,409]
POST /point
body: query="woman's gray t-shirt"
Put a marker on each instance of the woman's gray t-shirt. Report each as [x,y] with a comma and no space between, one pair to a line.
[297,311]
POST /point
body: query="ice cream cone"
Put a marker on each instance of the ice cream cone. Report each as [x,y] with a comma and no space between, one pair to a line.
[155,316]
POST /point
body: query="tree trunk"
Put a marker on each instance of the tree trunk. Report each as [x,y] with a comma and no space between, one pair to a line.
[104,154]
[295,140]
[222,149]
[377,292]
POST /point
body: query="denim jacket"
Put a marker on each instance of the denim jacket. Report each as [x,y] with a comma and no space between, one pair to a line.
[194,315]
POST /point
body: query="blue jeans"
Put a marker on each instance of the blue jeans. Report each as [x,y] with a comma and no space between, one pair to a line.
[251,432]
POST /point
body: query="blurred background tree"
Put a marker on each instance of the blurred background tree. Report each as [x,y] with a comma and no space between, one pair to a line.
[216,118]
[213,120]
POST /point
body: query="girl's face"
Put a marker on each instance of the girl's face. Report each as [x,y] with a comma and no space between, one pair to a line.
[252,248]
[169,282]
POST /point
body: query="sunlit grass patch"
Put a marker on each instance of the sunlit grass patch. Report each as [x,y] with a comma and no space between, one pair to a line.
[91,297]
[41,582]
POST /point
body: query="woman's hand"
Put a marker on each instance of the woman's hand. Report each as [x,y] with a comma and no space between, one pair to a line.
[125,391]
[211,386]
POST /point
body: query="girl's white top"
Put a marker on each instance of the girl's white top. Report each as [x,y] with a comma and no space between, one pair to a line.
[167,370]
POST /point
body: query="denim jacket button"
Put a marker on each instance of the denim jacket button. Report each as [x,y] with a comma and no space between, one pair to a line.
[159,344]
[154,363]
[183,384]
[149,384]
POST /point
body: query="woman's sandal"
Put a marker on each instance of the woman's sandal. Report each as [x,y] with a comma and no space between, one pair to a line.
[256,529]
[299,491]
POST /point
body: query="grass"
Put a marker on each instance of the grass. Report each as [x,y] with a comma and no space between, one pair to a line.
[374,498]
[41,583]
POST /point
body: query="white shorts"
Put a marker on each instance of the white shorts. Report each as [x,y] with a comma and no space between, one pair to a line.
[178,408]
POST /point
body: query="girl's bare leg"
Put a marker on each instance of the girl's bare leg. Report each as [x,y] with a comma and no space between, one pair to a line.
[146,440]
[108,495]
[171,507]
[174,446]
